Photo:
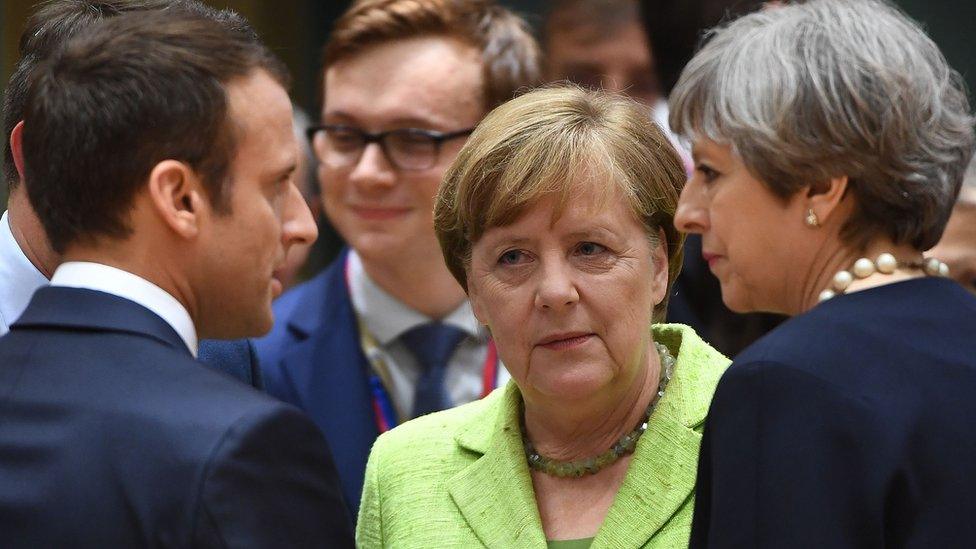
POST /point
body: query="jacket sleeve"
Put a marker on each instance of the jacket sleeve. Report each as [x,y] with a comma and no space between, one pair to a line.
[271,482]
[787,460]
[369,528]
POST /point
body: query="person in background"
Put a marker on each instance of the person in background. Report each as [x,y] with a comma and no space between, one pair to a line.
[27,260]
[159,156]
[385,333]
[830,139]
[600,44]
[957,248]
[556,218]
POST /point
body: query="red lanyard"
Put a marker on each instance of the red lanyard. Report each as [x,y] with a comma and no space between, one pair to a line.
[383,409]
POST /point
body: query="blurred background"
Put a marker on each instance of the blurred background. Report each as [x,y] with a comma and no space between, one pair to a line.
[296,30]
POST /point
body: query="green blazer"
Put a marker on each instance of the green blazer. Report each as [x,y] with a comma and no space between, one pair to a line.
[459,478]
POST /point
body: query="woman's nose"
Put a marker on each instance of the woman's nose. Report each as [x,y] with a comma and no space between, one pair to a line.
[556,289]
[691,216]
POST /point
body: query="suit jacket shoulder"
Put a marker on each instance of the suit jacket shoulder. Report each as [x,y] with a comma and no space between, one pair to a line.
[848,426]
[122,423]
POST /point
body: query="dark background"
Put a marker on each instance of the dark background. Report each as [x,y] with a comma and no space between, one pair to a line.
[296,30]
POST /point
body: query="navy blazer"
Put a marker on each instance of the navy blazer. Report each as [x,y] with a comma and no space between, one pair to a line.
[111,435]
[312,359]
[236,358]
[850,426]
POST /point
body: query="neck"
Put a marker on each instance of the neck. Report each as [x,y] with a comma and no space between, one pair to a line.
[141,261]
[426,286]
[29,233]
[831,261]
[566,431]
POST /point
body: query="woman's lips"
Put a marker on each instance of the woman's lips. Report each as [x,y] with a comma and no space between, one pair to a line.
[711,259]
[378,214]
[563,342]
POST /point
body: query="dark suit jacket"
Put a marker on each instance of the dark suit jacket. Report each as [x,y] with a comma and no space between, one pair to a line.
[312,359]
[111,435]
[850,426]
[237,359]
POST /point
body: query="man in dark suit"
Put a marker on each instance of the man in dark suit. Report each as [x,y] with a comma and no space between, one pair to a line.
[158,155]
[26,258]
[404,84]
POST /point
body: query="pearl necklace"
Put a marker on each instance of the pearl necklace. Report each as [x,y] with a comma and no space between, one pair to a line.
[884,264]
[625,444]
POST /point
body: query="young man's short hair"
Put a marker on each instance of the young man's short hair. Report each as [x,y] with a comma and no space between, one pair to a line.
[509,52]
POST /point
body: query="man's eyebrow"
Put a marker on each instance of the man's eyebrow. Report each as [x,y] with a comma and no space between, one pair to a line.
[405,121]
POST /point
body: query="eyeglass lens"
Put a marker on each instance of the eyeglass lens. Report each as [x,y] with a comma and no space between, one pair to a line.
[406,150]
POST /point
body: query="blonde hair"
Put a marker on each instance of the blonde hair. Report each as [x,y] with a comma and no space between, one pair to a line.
[509,52]
[539,145]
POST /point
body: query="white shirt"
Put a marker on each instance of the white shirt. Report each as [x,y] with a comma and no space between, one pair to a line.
[95,276]
[387,318]
[19,278]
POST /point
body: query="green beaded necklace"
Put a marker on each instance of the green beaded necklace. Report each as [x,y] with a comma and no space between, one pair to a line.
[625,445]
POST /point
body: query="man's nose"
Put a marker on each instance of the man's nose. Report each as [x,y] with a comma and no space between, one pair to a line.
[298,225]
[373,169]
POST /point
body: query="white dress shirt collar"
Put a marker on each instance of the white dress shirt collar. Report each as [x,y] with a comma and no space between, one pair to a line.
[19,278]
[386,317]
[95,276]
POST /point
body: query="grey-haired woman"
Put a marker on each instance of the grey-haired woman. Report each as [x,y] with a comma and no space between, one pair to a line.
[830,139]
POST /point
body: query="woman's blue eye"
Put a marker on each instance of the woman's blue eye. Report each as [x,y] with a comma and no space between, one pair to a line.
[590,248]
[510,257]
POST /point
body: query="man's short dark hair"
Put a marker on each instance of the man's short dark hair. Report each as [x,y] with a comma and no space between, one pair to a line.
[58,21]
[121,97]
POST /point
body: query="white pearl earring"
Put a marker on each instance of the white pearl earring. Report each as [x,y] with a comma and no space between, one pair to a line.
[811,219]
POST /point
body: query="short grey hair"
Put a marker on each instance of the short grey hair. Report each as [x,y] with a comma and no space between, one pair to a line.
[830,88]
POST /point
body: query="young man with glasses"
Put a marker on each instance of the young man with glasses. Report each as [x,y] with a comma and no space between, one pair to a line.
[385,333]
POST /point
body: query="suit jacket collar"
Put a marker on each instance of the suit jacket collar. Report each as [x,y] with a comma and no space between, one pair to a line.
[659,481]
[90,310]
[313,311]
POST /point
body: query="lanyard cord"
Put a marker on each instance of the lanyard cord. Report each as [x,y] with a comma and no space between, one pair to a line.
[380,379]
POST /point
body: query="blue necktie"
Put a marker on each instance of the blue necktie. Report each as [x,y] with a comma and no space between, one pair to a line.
[432,344]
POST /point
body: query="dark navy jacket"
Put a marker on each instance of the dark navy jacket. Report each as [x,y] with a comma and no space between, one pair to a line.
[312,359]
[111,435]
[850,426]
[237,359]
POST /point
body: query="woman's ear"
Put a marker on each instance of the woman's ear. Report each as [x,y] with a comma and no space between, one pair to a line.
[176,195]
[825,198]
[661,265]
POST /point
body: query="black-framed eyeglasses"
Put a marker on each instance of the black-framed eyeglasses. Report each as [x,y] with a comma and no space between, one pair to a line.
[408,149]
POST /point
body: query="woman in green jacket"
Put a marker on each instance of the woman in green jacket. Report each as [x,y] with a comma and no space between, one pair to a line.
[556,218]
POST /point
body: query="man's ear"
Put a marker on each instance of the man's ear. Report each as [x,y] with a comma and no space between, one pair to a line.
[17,149]
[825,198]
[176,194]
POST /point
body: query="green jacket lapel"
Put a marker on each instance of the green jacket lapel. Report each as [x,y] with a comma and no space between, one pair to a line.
[494,493]
[661,477]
